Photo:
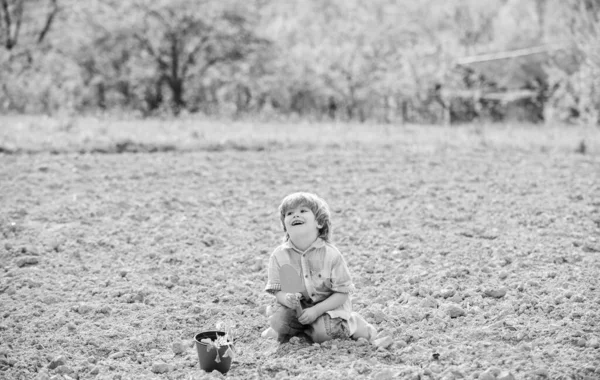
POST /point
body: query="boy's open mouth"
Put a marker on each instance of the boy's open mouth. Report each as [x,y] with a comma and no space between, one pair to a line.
[297,222]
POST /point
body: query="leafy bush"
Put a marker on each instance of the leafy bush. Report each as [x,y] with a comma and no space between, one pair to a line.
[384,61]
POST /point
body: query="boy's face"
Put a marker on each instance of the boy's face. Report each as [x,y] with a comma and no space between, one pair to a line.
[300,222]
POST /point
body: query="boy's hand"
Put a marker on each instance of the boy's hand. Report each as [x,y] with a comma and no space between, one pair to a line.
[308,316]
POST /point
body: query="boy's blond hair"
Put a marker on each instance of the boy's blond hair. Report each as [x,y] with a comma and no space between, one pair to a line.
[316,204]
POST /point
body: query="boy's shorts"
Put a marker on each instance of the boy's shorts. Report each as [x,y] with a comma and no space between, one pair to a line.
[285,323]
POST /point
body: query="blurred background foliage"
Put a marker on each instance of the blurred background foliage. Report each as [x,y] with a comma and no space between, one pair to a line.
[386,61]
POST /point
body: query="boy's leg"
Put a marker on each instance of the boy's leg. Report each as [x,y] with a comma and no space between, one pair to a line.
[285,323]
[326,328]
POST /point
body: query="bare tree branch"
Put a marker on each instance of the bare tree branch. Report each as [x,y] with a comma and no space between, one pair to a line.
[9,44]
[511,54]
[49,21]
[19,16]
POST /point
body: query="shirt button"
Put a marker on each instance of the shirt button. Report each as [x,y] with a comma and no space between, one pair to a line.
[312,295]
[305,276]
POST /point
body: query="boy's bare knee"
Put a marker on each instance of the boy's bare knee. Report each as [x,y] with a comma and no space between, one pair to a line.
[317,331]
[281,319]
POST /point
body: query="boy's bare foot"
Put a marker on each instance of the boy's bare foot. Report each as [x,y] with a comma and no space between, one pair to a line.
[269,334]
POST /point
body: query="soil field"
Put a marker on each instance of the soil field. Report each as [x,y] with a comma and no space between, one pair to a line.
[476,257]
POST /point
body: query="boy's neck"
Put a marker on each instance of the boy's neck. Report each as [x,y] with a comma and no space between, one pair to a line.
[304,243]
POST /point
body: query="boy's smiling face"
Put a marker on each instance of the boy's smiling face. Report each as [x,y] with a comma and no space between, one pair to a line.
[300,223]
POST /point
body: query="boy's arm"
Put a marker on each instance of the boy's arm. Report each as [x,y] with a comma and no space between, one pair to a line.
[332,302]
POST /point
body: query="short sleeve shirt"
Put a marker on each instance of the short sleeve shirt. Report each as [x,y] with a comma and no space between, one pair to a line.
[322,269]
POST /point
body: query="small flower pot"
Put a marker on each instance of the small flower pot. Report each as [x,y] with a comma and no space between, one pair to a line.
[207,354]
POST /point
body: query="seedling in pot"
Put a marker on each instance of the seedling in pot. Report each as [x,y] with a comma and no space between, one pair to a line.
[221,341]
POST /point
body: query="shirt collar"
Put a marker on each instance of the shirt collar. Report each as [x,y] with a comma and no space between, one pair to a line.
[316,244]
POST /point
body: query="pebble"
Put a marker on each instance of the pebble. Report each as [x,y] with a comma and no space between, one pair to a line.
[384,342]
[95,371]
[486,375]
[495,293]
[196,309]
[84,309]
[50,300]
[56,362]
[429,302]
[361,366]
[43,376]
[378,316]
[505,375]
[178,348]
[543,372]
[362,342]
[160,367]
[117,355]
[503,275]
[28,260]
[455,311]
[384,333]
[386,374]
[594,343]
[447,292]
[63,369]
[456,298]
[581,342]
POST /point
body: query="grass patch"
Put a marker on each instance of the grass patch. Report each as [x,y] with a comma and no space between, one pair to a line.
[33,134]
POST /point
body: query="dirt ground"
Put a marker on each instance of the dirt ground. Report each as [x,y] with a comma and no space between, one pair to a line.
[478,263]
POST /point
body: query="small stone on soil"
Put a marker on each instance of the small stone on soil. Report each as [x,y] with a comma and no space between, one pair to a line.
[542,372]
[84,309]
[160,367]
[505,375]
[429,302]
[455,311]
[486,375]
[362,342]
[495,293]
[49,300]
[63,369]
[178,348]
[456,298]
[24,261]
[384,342]
[386,374]
[56,362]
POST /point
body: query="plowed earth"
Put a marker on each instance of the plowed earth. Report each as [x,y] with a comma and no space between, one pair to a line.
[478,262]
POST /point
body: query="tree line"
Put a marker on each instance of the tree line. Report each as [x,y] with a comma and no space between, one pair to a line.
[384,61]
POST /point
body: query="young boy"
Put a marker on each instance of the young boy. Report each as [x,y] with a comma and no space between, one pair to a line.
[326,309]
